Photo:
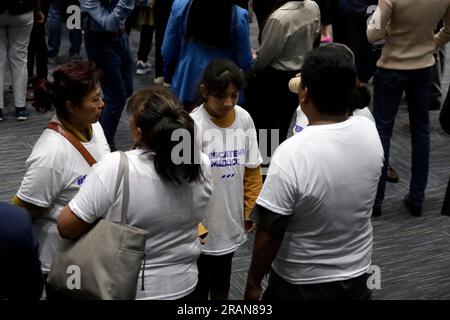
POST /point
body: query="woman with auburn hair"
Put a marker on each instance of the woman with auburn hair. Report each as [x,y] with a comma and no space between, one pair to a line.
[55,170]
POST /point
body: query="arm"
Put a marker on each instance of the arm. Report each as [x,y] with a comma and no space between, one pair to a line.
[269,236]
[171,47]
[33,210]
[273,41]
[377,28]
[443,36]
[110,21]
[252,188]
[92,201]
[70,226]
[241,43]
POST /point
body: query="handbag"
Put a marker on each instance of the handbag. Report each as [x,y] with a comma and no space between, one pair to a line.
[104,263]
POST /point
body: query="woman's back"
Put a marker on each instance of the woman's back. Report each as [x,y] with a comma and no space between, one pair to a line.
[188,58]
[169,211]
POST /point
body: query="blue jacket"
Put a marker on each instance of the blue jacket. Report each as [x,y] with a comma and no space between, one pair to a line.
[190,58]
[20,268]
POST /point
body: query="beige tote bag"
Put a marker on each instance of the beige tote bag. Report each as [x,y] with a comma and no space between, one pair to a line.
[104,263]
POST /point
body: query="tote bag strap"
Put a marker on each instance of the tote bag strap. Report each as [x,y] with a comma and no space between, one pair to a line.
[74,141]
[123,172]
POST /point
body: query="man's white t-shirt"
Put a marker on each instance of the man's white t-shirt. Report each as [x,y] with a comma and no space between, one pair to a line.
[230,151]
[301,120]
[169,211]
[55,170]
[325,179]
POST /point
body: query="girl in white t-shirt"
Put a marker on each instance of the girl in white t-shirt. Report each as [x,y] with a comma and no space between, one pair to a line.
[55,170]
[167,196]
[227,135]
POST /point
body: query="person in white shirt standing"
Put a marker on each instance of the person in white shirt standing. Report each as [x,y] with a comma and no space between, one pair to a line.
[314,232]
[227,135]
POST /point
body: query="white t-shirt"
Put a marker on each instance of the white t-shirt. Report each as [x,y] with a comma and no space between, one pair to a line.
[55,170]
[170,212]
[302,121]
[325,178]
[230,151]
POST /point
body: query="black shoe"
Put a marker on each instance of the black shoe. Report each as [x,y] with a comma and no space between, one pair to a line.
[391,175]
[376,211]
[1,115]
[435,104]
[21,114]
[413,209]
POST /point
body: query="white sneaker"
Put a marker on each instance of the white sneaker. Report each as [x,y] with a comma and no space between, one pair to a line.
[143,67]
[159,80]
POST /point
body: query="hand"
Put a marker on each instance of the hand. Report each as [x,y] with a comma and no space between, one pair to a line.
[254,55]
[252,291]
[249,226]
[38,16]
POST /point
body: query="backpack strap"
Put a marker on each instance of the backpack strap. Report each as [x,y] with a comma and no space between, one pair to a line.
[74,141]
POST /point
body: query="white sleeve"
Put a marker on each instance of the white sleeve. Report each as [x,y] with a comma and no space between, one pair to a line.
[40,185]
[96,195]
[279,193]
[253,156]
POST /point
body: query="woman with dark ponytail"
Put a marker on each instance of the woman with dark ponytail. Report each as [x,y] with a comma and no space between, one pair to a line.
[169,191]
[55,169]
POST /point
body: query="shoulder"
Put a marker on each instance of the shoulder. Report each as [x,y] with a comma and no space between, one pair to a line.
[244,116]
[241,13]
[108,161]
[178,6]
[49,148]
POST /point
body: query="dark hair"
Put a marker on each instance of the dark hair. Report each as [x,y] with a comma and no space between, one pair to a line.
[362,97]
[219,74]
[210,23]
[157,113]
[71,82]
[329,73]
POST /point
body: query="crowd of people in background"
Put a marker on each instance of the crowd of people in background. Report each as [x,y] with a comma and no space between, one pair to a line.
[308,82]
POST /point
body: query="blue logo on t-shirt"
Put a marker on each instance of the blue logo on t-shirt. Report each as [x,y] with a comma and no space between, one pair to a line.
[298,128]
[80,180]
[227,176]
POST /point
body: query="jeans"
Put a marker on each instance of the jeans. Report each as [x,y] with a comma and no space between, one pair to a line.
[112,56]
[389,86]
[56,13]
[15,33]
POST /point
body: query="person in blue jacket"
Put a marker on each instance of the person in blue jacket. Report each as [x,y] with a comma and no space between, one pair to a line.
[198,32]
[20,265]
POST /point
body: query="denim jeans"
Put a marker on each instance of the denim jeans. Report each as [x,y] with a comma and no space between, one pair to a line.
[111,54]
[389,86]
[56,15]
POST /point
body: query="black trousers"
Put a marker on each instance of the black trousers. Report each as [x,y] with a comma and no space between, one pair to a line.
[145,42]
[269,101]
[37,49]
[161,13]
[352,289]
